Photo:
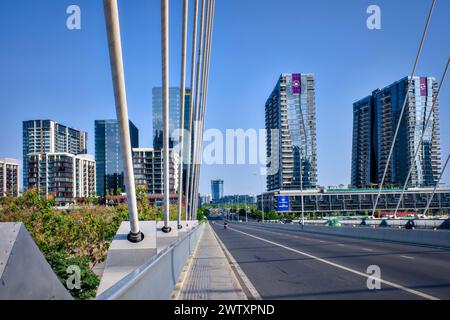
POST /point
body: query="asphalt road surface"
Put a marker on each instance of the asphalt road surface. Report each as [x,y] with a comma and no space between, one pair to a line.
[283,264]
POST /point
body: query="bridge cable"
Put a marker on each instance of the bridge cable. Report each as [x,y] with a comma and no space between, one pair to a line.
[403,108]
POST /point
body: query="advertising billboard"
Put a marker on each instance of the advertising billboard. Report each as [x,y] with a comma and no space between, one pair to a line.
[283,204]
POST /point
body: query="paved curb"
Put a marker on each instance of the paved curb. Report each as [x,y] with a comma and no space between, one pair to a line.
[176,293]
[245,283]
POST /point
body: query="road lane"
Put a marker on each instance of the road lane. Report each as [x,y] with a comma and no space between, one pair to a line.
[280,273]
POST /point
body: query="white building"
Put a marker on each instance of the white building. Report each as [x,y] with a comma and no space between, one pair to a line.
[9,177]
[64,176]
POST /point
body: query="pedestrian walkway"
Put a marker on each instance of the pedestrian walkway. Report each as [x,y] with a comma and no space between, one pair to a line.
[208,274]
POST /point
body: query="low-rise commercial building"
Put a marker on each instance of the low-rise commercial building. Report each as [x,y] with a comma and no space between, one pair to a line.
[352,201]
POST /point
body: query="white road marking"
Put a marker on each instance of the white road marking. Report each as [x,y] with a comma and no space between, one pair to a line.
[367,249]
[341,245]
[392,284]
[407,257]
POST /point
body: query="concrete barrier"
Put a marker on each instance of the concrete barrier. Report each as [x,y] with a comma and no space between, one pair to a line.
[24,272]
[156,279]
[436,238]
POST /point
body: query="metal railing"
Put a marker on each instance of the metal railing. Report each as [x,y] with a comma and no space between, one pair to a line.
[156,279]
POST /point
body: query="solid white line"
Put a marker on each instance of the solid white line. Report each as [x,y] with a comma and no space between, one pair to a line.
[415,292]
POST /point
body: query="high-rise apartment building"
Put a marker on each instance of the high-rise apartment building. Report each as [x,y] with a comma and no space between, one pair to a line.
[9,177]
[217,189]
[148,167]
[47,136]
[174,115]
[375,121]
[291,114]
[108,156]
[363,154]
[63,176]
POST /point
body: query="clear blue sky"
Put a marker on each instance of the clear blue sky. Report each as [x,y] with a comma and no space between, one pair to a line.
[47,71]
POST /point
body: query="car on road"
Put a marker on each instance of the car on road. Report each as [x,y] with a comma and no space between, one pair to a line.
[334,223]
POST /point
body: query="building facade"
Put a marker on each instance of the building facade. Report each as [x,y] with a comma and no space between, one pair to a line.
[217,190]
[108,156]
[174,114]
[47,136]
[353,201]
[9,177]
[148,167]
[63,176]
[205,199]
[236,199]
[290,112]
[363,148]
[375,121]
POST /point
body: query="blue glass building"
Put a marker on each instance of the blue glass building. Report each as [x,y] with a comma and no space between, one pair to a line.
[174,114]
[108,156]
[216,190]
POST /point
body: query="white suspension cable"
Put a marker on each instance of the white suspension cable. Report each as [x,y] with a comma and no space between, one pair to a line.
[403,108]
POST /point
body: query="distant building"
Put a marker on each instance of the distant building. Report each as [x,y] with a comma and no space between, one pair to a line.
[206,199]
[108,156]
[236,199]
[47,136]
[63,176]
[148,170]
[216,190]
[174,114]
[9,177]
[375,121]
[291,111]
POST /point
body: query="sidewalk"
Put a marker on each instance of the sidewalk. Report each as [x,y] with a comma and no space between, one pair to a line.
[208,274]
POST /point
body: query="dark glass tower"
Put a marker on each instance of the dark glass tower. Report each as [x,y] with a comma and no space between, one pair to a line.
[108,156]
[217,190]
[374,125]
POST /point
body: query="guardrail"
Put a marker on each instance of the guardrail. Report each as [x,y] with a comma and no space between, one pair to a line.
[156,279]
[398,223]
[435,238]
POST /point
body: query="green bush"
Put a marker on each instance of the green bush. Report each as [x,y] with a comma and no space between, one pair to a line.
[89,280]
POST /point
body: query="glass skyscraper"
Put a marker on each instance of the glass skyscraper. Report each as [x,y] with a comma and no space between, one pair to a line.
[375,122]
[174,114]
[108,156]
[291,112]
[217,190]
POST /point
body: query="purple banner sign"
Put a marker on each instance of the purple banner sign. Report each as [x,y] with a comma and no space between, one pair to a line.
[296,83]
[423,87]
